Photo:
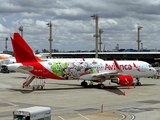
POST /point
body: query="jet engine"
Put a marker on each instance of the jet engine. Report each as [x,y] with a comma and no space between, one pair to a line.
[123,80]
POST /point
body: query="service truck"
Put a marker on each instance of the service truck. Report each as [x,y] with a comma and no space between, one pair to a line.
[32,113]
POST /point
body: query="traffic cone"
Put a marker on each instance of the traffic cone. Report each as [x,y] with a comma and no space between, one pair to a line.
[134,86]
[109,83]
[124,94]
[128,87]
[44,82]
[102,108]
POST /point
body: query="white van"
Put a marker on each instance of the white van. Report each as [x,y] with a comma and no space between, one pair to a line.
[32,113]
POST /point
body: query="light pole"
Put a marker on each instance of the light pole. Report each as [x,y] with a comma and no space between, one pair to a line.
[96,35]
[141,47]
[139,28]
[21,29]
[100,32]
[50,25]
[6,44]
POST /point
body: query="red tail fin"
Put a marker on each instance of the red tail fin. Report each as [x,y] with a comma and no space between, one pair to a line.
[22,51]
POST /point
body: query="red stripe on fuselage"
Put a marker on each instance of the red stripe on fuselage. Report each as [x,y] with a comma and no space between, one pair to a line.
[39,69]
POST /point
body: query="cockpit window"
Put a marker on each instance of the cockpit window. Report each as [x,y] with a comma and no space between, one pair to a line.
[150,65]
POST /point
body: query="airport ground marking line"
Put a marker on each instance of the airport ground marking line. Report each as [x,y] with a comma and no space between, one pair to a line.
[9,103]
[61,117]
[132,116]
[84,117]
[123,116]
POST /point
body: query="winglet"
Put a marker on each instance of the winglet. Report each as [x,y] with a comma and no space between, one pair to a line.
[83,59]
[119,70]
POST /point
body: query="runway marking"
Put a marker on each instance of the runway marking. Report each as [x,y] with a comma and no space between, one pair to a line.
[132,116]
[61,117]
[84,117]
[9,103]
[123,115]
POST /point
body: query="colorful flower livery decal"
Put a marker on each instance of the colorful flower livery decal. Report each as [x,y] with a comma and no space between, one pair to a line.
[72,70]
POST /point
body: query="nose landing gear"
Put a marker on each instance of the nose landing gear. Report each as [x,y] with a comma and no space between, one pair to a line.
[138,83]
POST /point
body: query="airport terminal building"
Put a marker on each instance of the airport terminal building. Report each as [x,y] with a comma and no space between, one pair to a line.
[150,57]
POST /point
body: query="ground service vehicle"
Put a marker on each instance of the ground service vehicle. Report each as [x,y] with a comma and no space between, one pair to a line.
[32,113]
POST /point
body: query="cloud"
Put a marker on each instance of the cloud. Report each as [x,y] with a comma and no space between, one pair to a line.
[72,25]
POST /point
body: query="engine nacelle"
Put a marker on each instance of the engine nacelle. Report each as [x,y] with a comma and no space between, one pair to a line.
[123,80]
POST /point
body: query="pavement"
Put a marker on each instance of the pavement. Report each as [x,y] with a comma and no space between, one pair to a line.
[70,101]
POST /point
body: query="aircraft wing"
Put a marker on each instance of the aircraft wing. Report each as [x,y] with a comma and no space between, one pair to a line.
[97,76]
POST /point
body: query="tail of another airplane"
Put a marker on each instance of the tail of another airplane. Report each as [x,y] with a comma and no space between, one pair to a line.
[3,58]
[22,51]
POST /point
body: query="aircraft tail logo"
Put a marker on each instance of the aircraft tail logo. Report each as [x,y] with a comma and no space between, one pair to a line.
[136,67]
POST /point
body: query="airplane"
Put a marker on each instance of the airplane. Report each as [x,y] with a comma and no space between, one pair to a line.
[5,61]
[120,72]
[6,55]
[9,59]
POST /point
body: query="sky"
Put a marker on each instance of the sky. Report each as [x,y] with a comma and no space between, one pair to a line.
[73,27]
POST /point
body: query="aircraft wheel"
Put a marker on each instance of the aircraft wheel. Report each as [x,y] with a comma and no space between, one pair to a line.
[84,84]
[33,88]
[41,87]
[139,83]
[101,86]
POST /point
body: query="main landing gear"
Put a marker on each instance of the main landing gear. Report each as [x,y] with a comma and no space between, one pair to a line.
[85,84]
[101,86]
[138,83]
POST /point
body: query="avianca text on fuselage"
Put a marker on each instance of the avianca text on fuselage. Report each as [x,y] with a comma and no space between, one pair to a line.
[122,66]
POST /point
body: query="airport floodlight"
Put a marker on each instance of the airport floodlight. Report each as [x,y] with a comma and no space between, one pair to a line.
[21,29]
[50,25]
[138,41]
[100,43]
[140,27]
[6,44]
[95,16]
[141,47]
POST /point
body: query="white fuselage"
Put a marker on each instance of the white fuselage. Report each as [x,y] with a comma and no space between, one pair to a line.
[76,70]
